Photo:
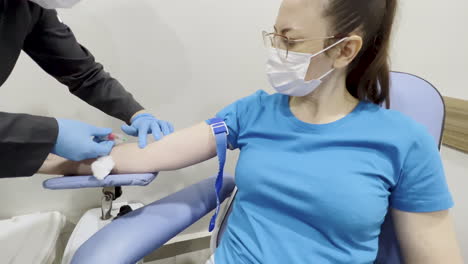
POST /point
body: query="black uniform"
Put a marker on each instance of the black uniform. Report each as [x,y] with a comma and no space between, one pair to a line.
[26,140]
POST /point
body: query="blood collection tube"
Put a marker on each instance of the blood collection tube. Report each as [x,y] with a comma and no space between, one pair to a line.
[117,138]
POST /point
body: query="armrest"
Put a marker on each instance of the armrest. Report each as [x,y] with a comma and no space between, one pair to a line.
[130,238]
[78,182]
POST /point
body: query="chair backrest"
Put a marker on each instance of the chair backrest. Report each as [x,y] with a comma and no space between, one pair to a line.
[414,97]
[420,100]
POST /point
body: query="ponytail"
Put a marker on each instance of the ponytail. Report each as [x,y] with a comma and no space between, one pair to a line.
[368,75]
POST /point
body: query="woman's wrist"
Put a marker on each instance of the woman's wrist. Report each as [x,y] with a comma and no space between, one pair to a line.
[56,165]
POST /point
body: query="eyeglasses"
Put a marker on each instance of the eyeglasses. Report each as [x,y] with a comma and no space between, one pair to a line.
[283,44]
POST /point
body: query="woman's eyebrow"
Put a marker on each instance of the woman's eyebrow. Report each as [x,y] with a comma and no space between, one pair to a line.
[283,31]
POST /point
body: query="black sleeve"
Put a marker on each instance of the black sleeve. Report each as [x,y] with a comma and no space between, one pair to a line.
[25,142]
[54,47]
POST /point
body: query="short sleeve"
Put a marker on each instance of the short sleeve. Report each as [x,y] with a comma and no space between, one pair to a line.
[422,186]
[230,115]
[233,113]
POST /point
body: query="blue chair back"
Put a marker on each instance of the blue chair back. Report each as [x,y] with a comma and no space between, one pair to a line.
[420,100]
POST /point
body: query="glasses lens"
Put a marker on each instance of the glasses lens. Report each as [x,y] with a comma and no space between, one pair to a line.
[279,43]
[267,40]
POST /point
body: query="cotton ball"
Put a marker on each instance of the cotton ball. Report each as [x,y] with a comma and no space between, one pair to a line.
[102,167]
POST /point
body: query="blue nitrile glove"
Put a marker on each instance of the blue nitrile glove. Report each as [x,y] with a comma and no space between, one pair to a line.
[75,141]
[144,124]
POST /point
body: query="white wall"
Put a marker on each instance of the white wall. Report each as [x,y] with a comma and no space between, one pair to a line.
[184,60]
[431,42]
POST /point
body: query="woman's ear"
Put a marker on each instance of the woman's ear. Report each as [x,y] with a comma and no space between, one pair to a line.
[347,51]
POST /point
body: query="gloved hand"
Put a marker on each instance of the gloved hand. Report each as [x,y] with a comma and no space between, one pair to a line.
[144,124]
[75,141]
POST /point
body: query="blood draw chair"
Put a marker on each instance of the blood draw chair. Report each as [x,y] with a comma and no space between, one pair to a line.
[136,234]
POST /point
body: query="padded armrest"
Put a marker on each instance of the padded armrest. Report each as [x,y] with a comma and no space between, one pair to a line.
[130,238]
[78,182]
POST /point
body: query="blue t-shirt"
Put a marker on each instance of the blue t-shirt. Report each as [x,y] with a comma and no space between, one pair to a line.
[312,193]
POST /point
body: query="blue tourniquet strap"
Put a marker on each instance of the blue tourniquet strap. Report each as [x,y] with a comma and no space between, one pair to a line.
[220,132]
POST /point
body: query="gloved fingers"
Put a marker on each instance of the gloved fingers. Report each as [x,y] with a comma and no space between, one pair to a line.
[142,134]
[165,127]
[129,130]
[171,128]
[100,131]
[103,148]
[156,130]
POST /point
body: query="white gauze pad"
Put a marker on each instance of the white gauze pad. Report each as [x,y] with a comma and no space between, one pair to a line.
[102,167]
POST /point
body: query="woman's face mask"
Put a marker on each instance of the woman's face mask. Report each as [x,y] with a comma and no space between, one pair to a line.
[288,76]
[53,4]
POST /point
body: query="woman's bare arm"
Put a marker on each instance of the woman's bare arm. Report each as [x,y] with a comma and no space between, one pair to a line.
[427,237]
[178,150]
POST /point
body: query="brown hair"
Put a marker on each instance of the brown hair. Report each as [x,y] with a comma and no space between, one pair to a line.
[374,20]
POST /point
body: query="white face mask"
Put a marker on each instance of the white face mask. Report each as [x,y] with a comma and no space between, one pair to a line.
[288,77]
[52,4]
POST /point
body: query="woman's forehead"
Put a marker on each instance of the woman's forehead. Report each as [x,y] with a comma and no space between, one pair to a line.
[302,17]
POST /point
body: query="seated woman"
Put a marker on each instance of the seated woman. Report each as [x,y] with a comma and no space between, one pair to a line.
[321,163]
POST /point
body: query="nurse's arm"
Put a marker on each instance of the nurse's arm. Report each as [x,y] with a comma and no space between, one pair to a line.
[176,151]
[427,238]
